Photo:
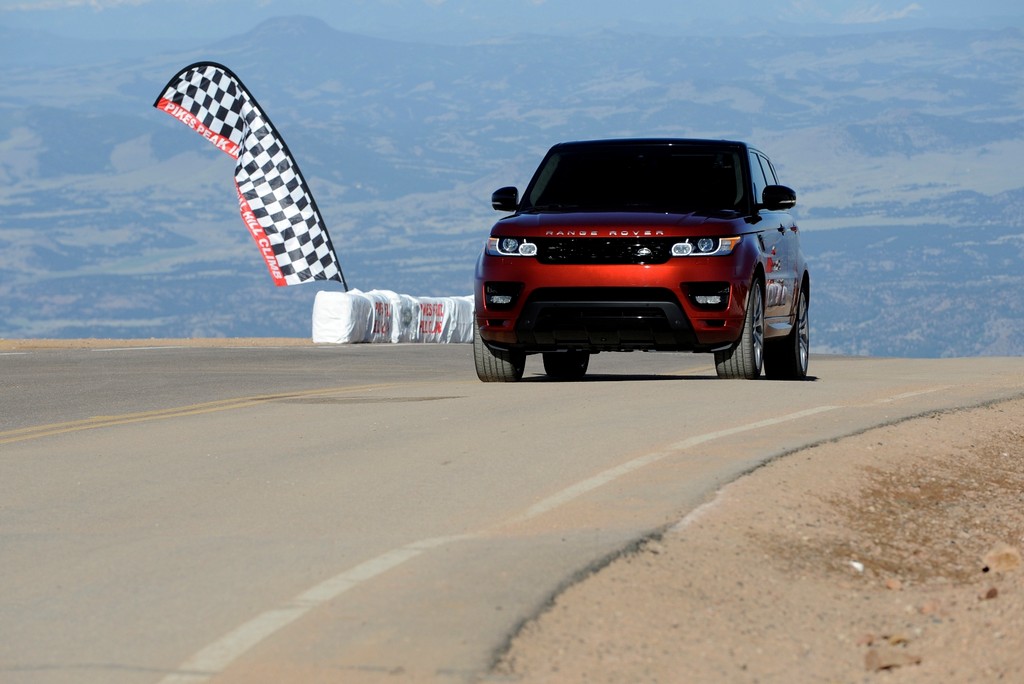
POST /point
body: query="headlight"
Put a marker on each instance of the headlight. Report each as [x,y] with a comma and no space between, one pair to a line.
[510,246]
[705,246]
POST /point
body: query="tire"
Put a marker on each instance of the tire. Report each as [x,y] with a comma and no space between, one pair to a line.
[744,361]
[787,358]
[496,366]
[570,365]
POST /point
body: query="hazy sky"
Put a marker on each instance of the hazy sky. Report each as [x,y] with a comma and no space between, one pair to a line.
[469,20]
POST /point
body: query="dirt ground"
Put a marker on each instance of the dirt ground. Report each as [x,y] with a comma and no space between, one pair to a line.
[892,556]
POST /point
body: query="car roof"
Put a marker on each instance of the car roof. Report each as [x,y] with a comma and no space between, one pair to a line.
[689,142]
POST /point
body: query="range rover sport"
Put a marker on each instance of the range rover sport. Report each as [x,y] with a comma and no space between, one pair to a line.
[644,244]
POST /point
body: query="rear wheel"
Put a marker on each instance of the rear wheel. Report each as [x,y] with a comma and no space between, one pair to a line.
[744,361]
[787,358]
[570,365]
[495,365]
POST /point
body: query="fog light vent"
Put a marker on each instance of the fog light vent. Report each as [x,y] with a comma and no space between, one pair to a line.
[500,296]
[712,296]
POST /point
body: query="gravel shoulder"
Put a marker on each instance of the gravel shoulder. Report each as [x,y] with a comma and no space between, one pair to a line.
[890,556]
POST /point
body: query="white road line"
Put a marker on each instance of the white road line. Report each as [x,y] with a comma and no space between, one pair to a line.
[601,479]
[215,658]
[907,395]
[702,510]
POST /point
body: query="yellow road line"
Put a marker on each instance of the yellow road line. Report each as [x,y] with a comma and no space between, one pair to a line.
[51,429]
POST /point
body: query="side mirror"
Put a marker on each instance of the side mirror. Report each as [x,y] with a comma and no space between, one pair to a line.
[505,199]
[777,197]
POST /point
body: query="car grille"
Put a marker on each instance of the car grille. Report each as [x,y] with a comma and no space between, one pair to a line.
[604,250]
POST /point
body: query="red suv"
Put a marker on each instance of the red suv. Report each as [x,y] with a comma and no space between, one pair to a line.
[646,244]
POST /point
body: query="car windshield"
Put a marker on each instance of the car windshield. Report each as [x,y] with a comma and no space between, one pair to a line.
[659,178]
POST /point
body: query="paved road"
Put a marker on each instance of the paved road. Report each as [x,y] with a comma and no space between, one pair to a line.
[368,513]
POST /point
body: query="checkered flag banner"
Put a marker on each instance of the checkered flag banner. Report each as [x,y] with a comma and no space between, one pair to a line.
[276,205]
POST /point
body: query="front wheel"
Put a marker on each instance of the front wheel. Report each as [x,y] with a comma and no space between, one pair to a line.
[787,358]
[744,360]
[495,365]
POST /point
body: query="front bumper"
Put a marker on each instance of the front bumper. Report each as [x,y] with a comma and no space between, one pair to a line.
[611,307]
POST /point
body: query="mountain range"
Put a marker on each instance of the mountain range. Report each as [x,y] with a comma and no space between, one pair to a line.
[904,148]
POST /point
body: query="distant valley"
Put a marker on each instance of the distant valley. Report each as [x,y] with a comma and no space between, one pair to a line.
[904,149]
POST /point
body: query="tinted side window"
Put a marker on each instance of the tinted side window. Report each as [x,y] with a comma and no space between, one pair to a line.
[769,171]
[757,175]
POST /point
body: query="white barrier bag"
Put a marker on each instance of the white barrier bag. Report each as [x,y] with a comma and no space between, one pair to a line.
[341,317]
[436,320]
[384,316]
[384,322]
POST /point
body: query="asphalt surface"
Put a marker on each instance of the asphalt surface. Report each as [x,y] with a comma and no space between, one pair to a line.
[366,513]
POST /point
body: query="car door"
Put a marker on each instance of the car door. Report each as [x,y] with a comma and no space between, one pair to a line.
[779,240]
